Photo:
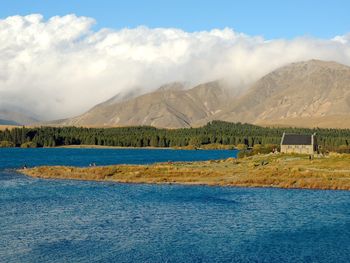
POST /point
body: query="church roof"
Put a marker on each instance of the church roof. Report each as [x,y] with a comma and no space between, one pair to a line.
[296,139]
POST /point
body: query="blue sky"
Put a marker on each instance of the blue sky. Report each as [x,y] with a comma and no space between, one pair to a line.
[270,19]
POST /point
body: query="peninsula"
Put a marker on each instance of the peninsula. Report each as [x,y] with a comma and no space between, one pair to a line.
[265,170]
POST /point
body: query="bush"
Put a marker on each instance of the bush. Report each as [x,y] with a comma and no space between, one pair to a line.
[6,144]
[241,147]
[343,149]
[244,153]
[263,149]
[29,145]
[195,141]
[257,148]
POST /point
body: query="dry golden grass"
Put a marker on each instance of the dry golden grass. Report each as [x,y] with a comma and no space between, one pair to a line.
[9,127]
[334,121]
[283,171]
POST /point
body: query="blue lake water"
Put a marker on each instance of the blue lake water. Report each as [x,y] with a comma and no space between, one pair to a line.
[77,221]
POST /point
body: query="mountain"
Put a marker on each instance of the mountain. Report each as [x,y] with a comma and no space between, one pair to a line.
[8,117]
[6,122]
[170,106]
[306,94]
[122,96]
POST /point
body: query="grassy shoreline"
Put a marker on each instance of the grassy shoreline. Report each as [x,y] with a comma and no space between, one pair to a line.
[189,147]
[272,170]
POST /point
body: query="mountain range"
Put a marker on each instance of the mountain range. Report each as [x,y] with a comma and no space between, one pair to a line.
[305,94]
[311,93]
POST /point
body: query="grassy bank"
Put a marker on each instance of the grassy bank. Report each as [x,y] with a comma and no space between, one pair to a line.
[273,170]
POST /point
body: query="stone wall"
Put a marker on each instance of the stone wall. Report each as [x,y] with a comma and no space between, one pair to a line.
[301,149]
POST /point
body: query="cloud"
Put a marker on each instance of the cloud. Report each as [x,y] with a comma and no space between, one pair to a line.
[60,67]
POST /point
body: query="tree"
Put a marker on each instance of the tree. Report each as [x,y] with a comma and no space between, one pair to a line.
[154,141]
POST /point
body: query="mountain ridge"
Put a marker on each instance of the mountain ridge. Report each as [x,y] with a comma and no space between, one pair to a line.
[310,93]
[170,106]
[296,94]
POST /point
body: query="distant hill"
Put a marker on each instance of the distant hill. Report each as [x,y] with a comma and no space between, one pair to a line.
[8,117]
[7,122]
[306,94]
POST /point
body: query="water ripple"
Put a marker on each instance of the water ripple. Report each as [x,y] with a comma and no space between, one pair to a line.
[75,221]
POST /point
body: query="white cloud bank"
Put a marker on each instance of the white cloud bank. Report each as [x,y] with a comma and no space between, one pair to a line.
[60,67]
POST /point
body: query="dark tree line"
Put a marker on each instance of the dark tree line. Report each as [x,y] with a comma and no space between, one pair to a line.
[216,132]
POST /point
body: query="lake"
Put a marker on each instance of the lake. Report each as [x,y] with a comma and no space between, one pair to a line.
[79,221]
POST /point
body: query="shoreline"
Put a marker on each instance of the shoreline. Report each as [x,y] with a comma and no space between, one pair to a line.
[176,183]
[85,146]
[264,171]
[101,147]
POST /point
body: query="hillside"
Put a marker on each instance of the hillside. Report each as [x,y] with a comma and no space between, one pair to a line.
[307,94]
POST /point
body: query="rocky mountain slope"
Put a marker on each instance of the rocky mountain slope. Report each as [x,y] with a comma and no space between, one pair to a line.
[310,94]
[307,94]
[171,106]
